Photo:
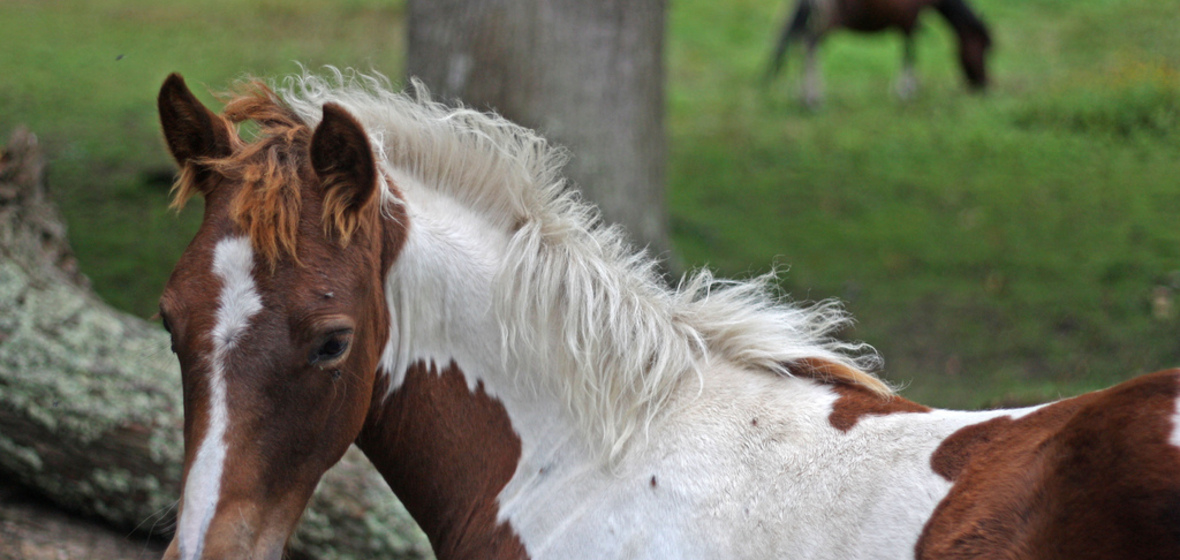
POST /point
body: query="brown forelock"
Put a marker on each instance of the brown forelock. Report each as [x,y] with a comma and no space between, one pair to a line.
[271,171]
[1085,478]
[447,452]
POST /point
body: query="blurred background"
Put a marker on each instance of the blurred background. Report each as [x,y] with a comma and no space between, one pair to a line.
[1003,248]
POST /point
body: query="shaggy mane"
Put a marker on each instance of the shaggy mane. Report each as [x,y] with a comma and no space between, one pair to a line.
[271,170]
[573,298]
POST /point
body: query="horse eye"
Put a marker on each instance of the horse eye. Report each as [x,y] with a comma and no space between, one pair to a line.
[330,349]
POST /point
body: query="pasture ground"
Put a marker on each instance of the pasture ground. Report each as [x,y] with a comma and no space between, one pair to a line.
[1012,247]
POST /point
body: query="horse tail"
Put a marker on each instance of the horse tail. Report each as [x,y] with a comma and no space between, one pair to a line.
[793,28]
[974,38]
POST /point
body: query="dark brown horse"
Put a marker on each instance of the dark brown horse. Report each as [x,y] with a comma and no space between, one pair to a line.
[813,19]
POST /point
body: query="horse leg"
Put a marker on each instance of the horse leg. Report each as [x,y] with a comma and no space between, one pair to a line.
[792,31]
[813,95]
[907,82]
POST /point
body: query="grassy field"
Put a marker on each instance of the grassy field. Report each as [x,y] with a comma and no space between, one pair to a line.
[1010,247]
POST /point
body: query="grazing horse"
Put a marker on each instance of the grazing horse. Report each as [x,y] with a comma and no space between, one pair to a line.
[376,268]
[812,19]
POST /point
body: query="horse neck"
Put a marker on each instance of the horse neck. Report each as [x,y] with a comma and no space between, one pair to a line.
[446,452]
[448,422]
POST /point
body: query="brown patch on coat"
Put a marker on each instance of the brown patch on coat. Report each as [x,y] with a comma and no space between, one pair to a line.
[447,452]
[1085,478]
[954,453]
[856,402]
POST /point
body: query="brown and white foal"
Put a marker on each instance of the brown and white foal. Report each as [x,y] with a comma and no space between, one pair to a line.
[381,269]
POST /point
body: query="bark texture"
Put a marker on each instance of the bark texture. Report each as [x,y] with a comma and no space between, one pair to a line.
[32,529]
[90,407]
[587,75]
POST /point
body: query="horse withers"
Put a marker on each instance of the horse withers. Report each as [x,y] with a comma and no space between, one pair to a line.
[379,269]
[813,19]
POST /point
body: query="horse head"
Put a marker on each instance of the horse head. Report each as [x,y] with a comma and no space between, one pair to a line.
[974,40]
[973,47]
[276,312]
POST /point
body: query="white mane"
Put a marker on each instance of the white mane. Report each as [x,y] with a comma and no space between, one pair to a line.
[572,293]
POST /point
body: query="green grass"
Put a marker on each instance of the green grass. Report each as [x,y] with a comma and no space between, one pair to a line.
[1006,247]
[1009,247]
[84,76]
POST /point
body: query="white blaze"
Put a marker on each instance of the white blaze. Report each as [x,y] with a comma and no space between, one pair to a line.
[233,260]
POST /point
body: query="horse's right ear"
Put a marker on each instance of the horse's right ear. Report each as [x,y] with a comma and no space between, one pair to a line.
[191,130]
[343,159]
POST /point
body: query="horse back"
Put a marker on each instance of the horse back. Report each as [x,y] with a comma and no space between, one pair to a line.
[877,15]
[1095,476]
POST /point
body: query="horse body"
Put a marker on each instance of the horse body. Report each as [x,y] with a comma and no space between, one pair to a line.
[814,19]
[875,15]
[416,280]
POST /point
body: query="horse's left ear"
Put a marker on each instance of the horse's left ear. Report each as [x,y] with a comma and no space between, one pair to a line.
[192,131]
[343,160]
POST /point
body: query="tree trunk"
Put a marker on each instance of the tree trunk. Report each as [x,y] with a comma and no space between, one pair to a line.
[588,75]
[90,407]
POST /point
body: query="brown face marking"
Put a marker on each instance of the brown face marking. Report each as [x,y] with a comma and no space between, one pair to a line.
[447,452]
[1090,477]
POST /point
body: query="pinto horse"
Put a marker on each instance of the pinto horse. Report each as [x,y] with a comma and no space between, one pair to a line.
[813,19]
[377,268]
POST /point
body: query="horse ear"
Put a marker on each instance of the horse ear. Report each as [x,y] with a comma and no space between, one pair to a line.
[191,130]
[343,160]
